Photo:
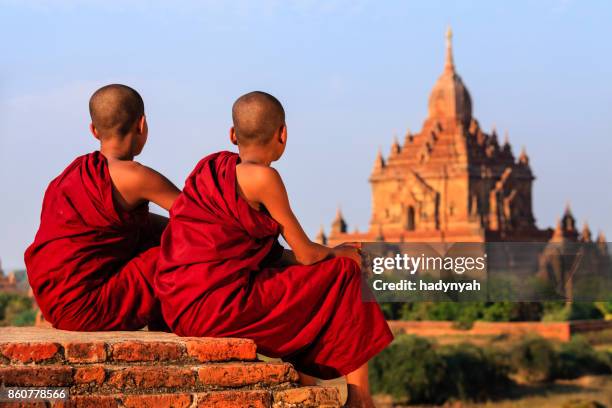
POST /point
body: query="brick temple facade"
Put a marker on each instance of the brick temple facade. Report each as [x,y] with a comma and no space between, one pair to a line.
[451,182]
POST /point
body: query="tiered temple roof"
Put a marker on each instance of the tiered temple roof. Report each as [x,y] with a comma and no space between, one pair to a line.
[452,181]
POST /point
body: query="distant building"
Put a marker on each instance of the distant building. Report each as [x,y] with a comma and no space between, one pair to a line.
[450,182]
[14,282]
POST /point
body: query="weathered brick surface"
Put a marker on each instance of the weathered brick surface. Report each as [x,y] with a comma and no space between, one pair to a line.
[146,351]
[240,374]
[88,401]
[85,352]
[89,375]
[206,350]
[143,377]
[306,397]
[38,376]
[147,369]
[30,352]
[39,404]
[234,399]
[158,401]
[138,346]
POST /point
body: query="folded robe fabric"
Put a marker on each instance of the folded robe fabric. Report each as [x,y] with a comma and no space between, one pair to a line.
[215,278]
[91,264]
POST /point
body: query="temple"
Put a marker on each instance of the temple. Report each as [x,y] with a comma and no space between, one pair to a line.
[451,182]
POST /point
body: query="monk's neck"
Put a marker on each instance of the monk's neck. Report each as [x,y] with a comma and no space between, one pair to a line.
[116,150]
[255,156]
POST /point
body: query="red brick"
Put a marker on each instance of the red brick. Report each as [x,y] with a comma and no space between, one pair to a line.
[36,376]
[88,375]
[233,399]
[88,401]
[141,377]
[38,404]
[206,350]
[146,351]
[157,401]
[30,352]
[85,352]
[307,397]
[241,374]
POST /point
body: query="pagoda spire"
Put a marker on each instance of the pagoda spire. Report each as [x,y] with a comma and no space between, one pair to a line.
[558,232]
[601,237]
[601,242]
[395,146]
[408,138]
[449,65]
[568,208]
[321,237]
[523,158]
[586,233]
[339,224]
[568,222]
[379,162]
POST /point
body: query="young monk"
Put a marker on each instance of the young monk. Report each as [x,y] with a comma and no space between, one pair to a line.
[222,271]
[92,262]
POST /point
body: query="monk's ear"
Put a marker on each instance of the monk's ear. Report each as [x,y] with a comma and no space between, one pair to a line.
[232,135]
[94,131]
[142,125]
[282,137]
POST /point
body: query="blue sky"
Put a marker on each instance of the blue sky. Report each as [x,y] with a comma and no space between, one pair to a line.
[350,74]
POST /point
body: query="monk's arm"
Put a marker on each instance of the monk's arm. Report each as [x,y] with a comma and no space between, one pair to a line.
[156,188]
[268,188]
[135,183]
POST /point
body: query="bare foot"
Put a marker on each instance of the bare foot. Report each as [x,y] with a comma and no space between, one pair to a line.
[357,399]
[307,380]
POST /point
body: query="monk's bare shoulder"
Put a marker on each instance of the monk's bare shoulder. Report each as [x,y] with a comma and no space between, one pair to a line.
[135,183]
[126,173]
[256,180]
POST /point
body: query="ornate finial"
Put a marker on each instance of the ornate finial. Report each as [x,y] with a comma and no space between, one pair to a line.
[395,146]
[449,65]
[568,208]
[586,233]
[601,237]
[568,223]
[408,138]
[339,225]
[523,158]
[558,232]
[321,238]
[506,138]
[379,162]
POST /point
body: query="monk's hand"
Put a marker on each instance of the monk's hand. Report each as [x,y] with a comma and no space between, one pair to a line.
[349,250]
[350,244]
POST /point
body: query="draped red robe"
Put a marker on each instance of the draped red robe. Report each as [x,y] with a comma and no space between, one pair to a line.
[215,278]
[91,264]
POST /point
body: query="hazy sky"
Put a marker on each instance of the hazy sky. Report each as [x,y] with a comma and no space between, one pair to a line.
[350,74]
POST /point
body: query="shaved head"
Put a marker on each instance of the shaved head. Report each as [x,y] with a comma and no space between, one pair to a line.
[257,116]
[115,108]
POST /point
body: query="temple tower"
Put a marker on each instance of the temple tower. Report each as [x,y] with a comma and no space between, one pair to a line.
[451,181]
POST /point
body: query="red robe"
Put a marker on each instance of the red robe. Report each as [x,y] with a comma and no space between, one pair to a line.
[215,278]
[91,264]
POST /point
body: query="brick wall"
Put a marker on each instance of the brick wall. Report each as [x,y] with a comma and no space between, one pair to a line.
[149,369]
[553,330]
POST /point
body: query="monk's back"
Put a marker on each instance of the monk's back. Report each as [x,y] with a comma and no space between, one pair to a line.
[83,239]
